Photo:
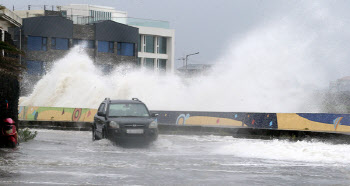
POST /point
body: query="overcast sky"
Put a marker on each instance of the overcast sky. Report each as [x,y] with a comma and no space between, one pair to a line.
[209,27]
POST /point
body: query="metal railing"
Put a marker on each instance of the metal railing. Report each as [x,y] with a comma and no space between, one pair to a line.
[82,20]
[11,17]
[142,22]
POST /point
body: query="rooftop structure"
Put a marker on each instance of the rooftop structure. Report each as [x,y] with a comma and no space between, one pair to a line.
[8,19]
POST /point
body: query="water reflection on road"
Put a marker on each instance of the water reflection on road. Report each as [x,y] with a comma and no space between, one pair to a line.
[70,157]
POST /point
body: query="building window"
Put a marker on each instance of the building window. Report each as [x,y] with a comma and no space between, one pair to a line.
[139,62]
[140,43]
[126,49]
[99,15]
[84,43]
[35,68]
[59,43]
[37,43]
[106,46]
[64,13]
[149,41]
[161,45]
[161,65]
[149,63]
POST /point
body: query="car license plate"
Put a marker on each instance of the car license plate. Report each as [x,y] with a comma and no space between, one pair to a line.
[134,131]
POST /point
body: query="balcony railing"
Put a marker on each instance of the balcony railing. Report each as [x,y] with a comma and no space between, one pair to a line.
[10,16]
[124,20]
[142,22]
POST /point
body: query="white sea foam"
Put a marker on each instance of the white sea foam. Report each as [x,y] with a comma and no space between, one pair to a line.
[286,151]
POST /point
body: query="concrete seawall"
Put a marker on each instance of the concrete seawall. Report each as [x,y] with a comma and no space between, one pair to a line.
[293,126]
[237,132]
[314,122]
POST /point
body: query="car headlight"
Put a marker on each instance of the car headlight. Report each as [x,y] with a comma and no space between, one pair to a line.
[154,124]
[114,124]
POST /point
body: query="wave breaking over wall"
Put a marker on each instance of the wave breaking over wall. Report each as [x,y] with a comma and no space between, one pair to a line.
[276,67]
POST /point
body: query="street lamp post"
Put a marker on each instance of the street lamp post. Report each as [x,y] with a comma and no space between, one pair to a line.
[183,61]
[187,58]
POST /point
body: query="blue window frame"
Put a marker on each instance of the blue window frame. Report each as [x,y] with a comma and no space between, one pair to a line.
[59,43]
[36,43]
[84,43]
[106,46]
[35,67]
[126,49]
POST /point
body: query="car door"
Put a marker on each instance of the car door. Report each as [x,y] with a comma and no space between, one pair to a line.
[100,119]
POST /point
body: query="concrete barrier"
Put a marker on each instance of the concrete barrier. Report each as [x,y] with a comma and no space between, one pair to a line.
[237,132]
[314,122]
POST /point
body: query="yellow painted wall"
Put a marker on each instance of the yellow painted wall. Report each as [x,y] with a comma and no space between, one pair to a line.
[56,114]
[295,122]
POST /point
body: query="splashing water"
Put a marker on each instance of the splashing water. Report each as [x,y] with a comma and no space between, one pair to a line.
[283,150]
[277,67]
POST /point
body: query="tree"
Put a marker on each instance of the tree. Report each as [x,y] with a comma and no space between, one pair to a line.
[9,59]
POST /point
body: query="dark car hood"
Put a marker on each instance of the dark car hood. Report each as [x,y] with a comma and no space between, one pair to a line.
[132,120]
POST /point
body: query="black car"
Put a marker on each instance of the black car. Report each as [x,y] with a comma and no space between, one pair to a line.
[120,120]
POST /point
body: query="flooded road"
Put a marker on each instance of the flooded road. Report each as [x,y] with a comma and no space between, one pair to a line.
[72,158]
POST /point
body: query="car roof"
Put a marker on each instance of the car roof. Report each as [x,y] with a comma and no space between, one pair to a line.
[126,101]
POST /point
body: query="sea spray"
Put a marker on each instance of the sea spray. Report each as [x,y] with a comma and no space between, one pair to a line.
[276,67]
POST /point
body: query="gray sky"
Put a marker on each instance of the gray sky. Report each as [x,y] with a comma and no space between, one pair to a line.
[204,26]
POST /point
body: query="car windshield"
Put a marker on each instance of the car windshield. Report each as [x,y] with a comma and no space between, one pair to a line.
[128,110]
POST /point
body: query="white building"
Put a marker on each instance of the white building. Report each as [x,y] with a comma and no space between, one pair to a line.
[157,41]
[29,13]
[85,14]
[156,47]
[8,19]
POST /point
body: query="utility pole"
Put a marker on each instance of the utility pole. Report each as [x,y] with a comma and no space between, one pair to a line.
[188,56]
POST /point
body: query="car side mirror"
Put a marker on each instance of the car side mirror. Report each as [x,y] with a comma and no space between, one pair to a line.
[101,113]
[154,115]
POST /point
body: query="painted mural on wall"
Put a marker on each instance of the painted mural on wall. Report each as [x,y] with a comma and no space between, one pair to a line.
[56,114]
[282,121]
[233,119]
[314,122]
